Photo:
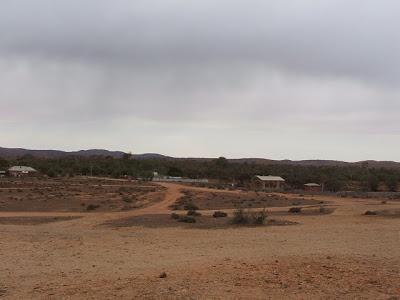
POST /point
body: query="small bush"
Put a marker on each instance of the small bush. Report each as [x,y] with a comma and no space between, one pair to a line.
[370,213]
[295,210]
[260,217]
[383,202]
[193,213]
[127,200]
[190,206]
[240,217]
[92,207]
[175,216]
[220,214]
[187,219]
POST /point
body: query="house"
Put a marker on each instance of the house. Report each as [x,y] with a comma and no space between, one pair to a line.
[2,173]
[21,171]
[313,187]
[269,182]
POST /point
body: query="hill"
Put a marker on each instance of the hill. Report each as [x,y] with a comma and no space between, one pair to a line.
[17,152]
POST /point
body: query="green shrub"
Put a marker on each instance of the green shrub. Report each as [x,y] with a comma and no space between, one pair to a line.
[260,217]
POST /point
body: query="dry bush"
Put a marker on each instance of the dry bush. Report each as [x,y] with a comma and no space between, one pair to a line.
[220,214]
[295,210]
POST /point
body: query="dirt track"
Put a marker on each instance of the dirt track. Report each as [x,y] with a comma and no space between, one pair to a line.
[342,255]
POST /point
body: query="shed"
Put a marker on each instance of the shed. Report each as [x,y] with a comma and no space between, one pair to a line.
[313,187]
[269,182]
[21,171]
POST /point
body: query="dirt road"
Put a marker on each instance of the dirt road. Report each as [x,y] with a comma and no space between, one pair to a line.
[342,255]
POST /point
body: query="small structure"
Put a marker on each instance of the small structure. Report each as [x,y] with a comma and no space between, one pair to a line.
[269,182]
[160,178]
[313,187]
[21,171]
[2,173]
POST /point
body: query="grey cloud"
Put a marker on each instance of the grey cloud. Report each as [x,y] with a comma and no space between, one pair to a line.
[101,71]
[346,38]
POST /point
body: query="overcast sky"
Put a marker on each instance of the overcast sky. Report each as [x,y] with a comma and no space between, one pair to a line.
[296,79]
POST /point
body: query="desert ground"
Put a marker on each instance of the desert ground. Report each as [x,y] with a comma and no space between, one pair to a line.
[88,238]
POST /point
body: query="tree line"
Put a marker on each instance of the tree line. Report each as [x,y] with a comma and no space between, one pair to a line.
[334,178]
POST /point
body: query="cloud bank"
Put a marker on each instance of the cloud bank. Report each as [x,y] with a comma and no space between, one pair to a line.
[280,79]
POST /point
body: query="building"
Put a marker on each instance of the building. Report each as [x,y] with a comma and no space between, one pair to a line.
[21,171]
[160,178]
[2,173]
[313,187]
[269,182]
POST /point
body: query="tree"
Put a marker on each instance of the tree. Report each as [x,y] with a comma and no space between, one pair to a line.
[3,164]
[127,156]
[221,162]
[175,172]
[392,182]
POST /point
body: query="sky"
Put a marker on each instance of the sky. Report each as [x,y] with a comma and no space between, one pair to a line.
[279,79]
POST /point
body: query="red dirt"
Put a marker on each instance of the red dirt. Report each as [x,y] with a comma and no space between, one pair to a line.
[342,255]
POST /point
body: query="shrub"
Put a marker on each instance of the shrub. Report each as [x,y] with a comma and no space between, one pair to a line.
[187,219]
[370,213]
[127,199]
[220,214]
[92,207]
[240,217]
[190,206]
[260,217]
[295,210]
[193,213]
[175,216]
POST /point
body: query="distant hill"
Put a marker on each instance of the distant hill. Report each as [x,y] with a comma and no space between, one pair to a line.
[16,152]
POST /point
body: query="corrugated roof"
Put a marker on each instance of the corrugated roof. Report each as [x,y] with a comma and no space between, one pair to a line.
[312,184]
[21,169]
[270,178]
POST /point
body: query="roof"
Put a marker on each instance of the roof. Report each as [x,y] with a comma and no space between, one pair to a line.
[312,184]
[270,178]
[21,169]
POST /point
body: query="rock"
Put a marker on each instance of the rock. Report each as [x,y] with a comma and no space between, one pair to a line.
[163,275]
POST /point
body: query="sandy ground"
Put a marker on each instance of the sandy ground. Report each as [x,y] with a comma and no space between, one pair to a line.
[343,255]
